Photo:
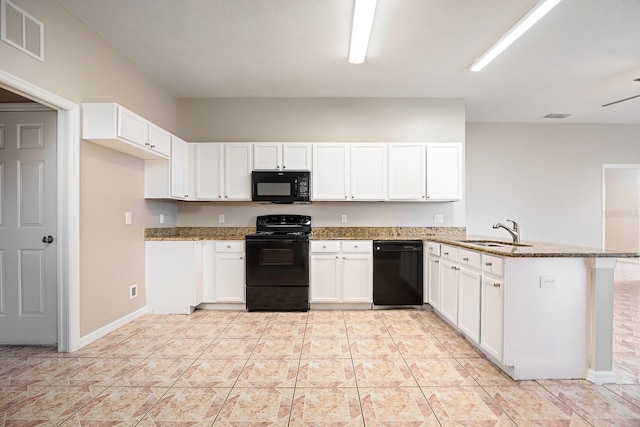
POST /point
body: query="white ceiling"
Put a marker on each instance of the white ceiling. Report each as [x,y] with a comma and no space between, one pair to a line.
[583,54]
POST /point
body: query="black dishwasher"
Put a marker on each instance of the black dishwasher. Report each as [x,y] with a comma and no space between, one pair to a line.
[397,272]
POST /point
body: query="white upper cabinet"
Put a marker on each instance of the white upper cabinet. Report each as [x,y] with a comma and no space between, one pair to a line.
[237,171]
[209,171]
[179,168]
[368,171]
[330,172]
[281,156]
[115,127]
[444,171]
[407,172]
[159,140]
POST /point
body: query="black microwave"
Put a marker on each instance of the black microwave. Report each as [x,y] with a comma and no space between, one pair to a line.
[281,187]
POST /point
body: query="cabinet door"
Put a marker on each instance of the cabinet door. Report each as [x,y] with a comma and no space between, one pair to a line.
[209,176]
[492,317]
[209,271]
[444,171]
[330,172]
[296,156]
[159,140]
[132,127]
[449,295]
[357,277]
[407,177]
[325,278]
[267,156]
[171,270]
[179,168]
[229,271]
[434,282]
[469,288]
[238,166]
[368,171]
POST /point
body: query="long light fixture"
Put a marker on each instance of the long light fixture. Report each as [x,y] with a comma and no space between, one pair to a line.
[363,13]
[526,22]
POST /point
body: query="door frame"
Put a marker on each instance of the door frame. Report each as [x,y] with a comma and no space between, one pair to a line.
[68,205]
[606,166]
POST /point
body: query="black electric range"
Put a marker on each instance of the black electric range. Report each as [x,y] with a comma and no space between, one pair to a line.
[277,268]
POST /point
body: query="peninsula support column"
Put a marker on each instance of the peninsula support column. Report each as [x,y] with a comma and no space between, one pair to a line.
[600,351]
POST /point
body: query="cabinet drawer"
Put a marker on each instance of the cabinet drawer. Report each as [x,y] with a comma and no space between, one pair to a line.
[493,265]
[325,246]
[230,246]
[449,252]
[357,246]
[433,248]
[469,258]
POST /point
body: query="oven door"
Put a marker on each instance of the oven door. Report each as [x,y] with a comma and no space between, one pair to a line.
[277,262]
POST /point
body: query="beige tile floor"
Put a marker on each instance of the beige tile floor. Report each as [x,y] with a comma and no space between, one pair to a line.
[336,368]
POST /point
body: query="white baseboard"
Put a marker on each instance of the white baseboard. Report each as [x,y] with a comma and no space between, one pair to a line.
[99,333]
[601,377]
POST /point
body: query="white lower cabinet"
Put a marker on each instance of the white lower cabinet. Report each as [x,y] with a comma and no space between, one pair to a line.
[173,276]
[469,303]
[432,288]
[449,283]
[223,272]
[492,317]
[341,271]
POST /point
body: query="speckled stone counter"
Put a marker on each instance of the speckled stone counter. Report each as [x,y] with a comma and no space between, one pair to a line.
[198,233]
[532,249]
[387,233]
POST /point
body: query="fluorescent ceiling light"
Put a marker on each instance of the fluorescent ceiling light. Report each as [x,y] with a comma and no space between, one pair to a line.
[363,13]
[526,22]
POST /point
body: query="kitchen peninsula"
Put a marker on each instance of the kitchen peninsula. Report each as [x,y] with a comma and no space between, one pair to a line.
[537,310]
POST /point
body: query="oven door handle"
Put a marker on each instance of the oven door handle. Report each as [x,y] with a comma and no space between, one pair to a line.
[274,241]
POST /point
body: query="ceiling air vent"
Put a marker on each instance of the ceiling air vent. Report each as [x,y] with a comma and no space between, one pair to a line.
[557,116]
[22,30]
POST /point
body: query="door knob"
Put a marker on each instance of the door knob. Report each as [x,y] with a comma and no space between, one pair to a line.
[47,239]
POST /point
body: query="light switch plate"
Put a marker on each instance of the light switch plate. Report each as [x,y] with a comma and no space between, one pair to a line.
[127,218]
[344,218]
[438,218]
[221,219]
[549,282]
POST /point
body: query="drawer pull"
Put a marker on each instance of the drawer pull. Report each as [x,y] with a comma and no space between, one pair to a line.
[496,285]
[465,259]
[436,261]
[446,253]
[488,264]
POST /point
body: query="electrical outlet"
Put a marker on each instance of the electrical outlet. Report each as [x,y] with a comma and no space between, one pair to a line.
[161,218]
[438,218]
[133,291]
[127,218]
[344,218]
[221,219]
[549,282]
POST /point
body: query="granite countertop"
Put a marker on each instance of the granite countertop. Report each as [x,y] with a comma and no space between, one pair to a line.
[454,236]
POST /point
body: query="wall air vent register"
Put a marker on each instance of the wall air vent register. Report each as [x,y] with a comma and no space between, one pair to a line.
[21,30]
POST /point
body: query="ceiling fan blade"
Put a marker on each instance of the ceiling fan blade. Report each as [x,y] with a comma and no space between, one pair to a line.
[621,100]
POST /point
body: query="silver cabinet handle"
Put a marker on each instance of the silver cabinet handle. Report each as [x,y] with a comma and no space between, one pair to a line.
[436,261]
[465,259]
[47,239]
[446,253]
[496,285]
[488,264]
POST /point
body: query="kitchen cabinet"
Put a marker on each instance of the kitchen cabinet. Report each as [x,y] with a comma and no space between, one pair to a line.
[444,171]
[173,276]
[433,276]
[118,128]
[281,156]
[341,272]
[179,168]
[368,171]
[492,307]
[406,172]
[223,272]
[330,179]
[209,171]
[238,165]
[469,290]
[449,283]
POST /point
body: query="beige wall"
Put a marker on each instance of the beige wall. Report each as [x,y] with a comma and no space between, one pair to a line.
[323,120]
[81,67]
[547,177]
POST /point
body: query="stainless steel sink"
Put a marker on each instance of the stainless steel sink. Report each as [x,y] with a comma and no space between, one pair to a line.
[493,243]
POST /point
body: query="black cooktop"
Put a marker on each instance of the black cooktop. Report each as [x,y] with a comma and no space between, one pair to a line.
[282,226]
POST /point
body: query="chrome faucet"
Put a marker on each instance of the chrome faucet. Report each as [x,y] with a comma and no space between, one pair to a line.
[515,231]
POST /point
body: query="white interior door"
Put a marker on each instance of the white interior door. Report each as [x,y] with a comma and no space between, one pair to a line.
[28,223]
